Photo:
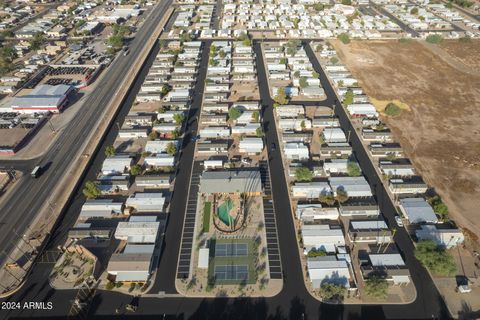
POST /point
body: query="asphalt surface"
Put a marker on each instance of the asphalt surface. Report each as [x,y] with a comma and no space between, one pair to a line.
[294,302]
[29,195]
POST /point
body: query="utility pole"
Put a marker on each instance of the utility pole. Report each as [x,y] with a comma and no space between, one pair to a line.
[51,126]
[23,239]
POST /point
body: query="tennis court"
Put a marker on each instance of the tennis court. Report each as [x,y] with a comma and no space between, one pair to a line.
[231,272]
[231,249]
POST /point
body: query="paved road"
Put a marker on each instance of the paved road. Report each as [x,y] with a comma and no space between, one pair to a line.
[29,195]
[294,302]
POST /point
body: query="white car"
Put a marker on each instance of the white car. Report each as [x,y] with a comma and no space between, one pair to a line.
[399,221]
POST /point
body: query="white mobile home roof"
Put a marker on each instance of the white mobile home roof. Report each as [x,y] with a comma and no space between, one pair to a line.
[354,186]
[137,232]
[386,259]
[146,201]
[417,210]
[161,160]
[321,236]
[334,135]
[362,109]
[328,269]
[116,164]
[310,189]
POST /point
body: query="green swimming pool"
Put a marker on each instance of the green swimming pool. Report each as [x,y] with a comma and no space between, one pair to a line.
[223,212]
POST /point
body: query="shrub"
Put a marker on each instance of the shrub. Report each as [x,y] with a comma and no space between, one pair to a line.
[344,38]
[376,287]
[110,285]
[392,110]
[434,38]
[332,292]
[303,174]
[353,169]
[435,258]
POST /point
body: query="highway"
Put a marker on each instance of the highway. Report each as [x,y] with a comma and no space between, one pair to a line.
[29,195]
[294,302]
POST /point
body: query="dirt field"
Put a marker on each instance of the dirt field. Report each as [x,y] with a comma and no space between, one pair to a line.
[440,127]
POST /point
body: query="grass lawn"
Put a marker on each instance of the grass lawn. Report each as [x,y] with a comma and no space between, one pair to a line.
[207,209]
[233,260]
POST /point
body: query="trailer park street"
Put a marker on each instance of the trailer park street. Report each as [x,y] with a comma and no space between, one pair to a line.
[243,160]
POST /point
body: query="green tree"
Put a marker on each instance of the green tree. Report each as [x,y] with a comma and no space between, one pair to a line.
[234,113]
[91,190]
[347,2]
[161,109]
[247,42]
[319,6]
[171,148]
[186,36]
[178,118]
[344,38]
[303,174]
[342,195]
[303,82]
[315,75]
[110,151]
[283,61]
[414,10]
[314,252]
[153,135]
[7,34]
[221,53]
[79,23]
[353,169]
[7,55]
[175,134]
[439,207]
[166,89]
[392,110]
[281,97]
[327,199]
[435,258]
[136,170]
[259,132]
[255,116]
[332,292]
[348,99]
[37,41]
[296,74]
[333,60]
[376,287]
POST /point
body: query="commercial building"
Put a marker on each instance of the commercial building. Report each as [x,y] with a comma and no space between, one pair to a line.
[231,181]
[42,98]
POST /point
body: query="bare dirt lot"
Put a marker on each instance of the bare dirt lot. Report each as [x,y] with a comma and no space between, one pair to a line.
[440,128]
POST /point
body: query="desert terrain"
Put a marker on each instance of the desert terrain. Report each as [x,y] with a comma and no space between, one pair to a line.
[438,87]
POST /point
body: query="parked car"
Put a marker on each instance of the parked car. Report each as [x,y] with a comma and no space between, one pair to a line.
[273,147]
[399,221]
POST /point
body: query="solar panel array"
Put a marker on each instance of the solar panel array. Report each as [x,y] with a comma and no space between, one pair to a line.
[231,272]
[231,249]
